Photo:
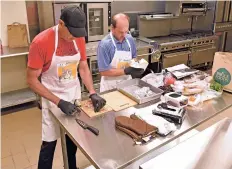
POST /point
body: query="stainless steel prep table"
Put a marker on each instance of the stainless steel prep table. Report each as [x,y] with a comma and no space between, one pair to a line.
[112,148]
[210,149]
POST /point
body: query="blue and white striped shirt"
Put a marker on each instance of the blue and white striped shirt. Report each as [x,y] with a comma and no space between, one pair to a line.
[106,50]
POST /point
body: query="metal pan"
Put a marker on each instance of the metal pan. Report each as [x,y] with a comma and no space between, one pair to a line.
[128,87]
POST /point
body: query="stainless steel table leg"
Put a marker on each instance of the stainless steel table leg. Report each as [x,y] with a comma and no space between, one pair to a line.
[64,148]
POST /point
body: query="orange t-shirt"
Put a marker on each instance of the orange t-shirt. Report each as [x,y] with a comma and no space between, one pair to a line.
[43,46]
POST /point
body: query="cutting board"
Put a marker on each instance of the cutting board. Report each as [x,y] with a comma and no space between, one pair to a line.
[87,107]
[118,101]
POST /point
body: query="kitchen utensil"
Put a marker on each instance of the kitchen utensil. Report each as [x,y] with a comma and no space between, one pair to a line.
[86,126]
[170,113]
[176,99]
[165,106]
[118,101]
[87,107]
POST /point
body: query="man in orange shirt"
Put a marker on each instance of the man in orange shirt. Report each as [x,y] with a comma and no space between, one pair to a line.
[57,54]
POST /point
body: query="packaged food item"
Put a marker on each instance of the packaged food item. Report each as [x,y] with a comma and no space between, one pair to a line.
[209,79]
[166,89]
[143,92]
[210,94]
[178,86]
[196,101]
[142,63]
[216,86]
[154,79]
[190,80]
[192,91]
[169,79]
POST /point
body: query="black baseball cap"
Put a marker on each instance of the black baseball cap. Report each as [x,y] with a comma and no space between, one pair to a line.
[74,19]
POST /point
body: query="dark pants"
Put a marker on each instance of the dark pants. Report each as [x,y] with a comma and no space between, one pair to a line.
[47,153]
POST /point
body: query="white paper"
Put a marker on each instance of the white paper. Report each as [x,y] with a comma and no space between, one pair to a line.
[164,127]
[178,74]
[177,67]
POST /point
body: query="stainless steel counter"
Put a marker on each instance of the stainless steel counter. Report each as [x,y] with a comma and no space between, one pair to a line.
[210,149]
[91,49]
[113,149]
[9,52]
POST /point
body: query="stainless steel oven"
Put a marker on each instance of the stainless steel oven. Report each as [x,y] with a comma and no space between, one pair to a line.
[93,66]
[192,8]
[174,58]
[202,56]
[98,20]
[58,6]
[98,16]
[223,25]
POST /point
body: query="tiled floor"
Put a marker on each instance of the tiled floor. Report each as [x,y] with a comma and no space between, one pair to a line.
[21,140]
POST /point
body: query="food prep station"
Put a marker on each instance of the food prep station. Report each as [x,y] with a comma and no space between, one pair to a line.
[113,149]
[164,46]
[178,39]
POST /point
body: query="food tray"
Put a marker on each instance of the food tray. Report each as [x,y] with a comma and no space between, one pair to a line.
[128,87]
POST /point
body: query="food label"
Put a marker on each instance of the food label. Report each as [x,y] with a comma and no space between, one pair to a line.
[222,76]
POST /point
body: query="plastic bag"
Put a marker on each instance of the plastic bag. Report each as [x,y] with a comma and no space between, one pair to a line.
[164,127]
[169,79]
[154,79]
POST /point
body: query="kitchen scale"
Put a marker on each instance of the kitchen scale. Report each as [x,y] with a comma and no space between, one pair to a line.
[176,99]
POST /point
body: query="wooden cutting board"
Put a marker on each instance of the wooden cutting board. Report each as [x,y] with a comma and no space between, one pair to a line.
[87,107]
[118,101]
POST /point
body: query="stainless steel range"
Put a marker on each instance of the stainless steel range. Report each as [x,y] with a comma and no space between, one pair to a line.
[203,47]
[174,50]
[195,49]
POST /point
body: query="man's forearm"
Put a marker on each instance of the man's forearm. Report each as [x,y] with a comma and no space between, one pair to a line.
[39,88]
[113,72]
[87,79]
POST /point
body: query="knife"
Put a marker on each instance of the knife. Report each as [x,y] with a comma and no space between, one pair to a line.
[86,126]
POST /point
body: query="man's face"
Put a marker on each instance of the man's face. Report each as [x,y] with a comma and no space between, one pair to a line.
[66,35]
[121,29]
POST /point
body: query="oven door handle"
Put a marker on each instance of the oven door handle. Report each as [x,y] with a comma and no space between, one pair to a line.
[176,54]
[194,9]
[202,50]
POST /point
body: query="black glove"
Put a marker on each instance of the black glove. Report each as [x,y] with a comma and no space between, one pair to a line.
[98,102]
[134,72]
[67,107]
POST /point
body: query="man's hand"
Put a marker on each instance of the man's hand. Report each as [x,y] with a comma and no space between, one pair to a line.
[67,107]
[98,102]
[134,72]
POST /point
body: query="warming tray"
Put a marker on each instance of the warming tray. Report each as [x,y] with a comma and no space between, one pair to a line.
[128,87]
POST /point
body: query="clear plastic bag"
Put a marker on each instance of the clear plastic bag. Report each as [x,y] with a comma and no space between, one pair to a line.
[154,79]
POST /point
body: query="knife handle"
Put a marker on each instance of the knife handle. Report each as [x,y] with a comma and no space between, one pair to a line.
[93,130]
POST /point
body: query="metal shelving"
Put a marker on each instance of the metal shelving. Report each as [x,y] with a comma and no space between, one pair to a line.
[17,97]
